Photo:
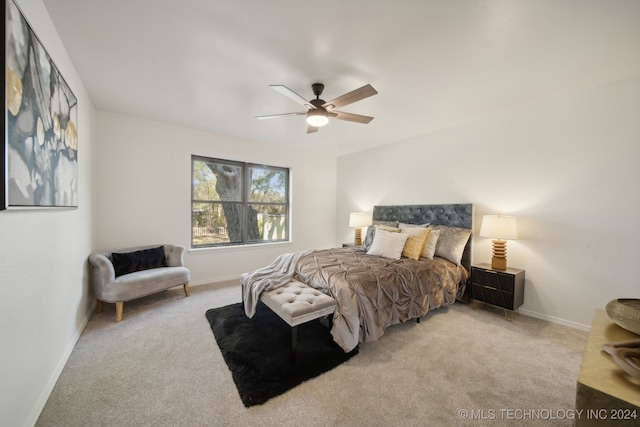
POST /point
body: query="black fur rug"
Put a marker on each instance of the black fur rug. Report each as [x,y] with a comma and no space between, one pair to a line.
[257,351]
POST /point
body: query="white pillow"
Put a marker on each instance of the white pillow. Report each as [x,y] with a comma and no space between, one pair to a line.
[371,231]
[430,247]
[387,244]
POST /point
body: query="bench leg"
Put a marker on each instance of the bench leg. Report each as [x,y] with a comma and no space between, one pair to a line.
[119,309]
[98,306]
[186,289]
[294,342]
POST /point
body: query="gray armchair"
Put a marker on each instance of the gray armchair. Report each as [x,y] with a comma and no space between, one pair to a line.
[136,272]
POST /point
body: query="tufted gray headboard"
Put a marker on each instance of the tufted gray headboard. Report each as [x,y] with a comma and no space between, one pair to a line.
[453,215]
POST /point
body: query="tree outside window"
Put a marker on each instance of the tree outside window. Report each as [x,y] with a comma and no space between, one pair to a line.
[236,203]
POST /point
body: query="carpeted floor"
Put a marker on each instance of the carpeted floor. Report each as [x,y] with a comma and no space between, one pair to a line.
[161,366]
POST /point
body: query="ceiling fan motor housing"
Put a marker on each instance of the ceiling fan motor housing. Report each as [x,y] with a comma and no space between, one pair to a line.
[318,103]
[317,89]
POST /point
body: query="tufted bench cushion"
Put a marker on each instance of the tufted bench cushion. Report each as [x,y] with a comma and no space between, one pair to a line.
[297,303]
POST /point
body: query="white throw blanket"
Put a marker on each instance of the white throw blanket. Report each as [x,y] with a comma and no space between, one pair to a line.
[277,274]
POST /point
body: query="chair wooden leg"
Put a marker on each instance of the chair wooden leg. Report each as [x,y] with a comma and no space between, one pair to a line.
[186,289]
[98,306]
[119,309]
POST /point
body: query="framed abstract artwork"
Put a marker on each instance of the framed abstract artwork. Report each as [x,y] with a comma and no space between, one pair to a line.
[40,150]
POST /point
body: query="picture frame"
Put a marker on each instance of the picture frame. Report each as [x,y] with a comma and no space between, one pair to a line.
[40,147]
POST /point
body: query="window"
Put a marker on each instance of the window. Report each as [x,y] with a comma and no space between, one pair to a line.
[235,203]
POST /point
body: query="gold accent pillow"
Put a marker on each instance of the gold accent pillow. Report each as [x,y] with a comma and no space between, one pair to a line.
[415,243]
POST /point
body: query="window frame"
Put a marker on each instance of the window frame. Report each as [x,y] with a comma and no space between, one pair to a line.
[245,202]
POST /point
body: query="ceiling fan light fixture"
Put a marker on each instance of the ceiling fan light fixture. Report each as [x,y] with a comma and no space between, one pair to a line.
[318,111]
[317,118]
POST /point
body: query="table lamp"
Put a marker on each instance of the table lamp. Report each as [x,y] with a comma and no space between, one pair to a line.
[358,220]
[501,228]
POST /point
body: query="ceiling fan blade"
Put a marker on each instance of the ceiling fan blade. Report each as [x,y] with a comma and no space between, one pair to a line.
[312,129]
[352,117]
[272,116]
[351,97]
[291,95]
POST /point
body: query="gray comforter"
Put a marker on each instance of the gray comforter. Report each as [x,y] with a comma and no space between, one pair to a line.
[373,293]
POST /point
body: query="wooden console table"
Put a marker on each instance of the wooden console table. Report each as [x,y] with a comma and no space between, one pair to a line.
[604,389]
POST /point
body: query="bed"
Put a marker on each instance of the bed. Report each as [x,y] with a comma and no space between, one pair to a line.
[372,289]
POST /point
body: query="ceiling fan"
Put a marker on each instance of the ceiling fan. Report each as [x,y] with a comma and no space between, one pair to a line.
[319,111]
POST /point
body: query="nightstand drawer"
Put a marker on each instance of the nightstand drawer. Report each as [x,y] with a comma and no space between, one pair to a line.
[493,279]
[501,288]
[492,296]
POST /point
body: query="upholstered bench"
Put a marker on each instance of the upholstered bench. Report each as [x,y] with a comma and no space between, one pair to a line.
[297,303]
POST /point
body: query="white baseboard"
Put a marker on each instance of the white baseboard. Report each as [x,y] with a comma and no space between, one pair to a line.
[216,280]
[46,392]
[51,382]
[524,312]
[556,320]
[53,379]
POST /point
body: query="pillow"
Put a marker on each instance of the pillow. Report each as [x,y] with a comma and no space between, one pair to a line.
[388,244]
[393,224]
[371,232]
[388,228]
[368,238]
[414,245]
[451,242]
[403,225]
[145,259]
[430,245]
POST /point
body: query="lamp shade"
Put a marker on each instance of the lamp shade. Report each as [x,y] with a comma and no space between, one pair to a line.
[317,117]
[359,220]
[499,227]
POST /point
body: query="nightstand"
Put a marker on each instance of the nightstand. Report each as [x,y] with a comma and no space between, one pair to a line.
[499,288]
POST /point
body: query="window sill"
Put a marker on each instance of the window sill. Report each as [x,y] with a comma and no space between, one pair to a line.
[237,248]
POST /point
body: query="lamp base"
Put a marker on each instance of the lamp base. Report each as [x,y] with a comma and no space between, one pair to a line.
[498,263]
[357,241]
[499,259]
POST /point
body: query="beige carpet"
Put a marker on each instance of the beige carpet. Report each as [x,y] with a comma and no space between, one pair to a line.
[161,366]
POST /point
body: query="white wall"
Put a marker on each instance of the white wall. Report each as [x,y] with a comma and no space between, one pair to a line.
[143,189]
[43,277]
[567,168]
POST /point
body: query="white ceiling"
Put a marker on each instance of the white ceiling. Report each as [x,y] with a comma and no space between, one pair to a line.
[208,64]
